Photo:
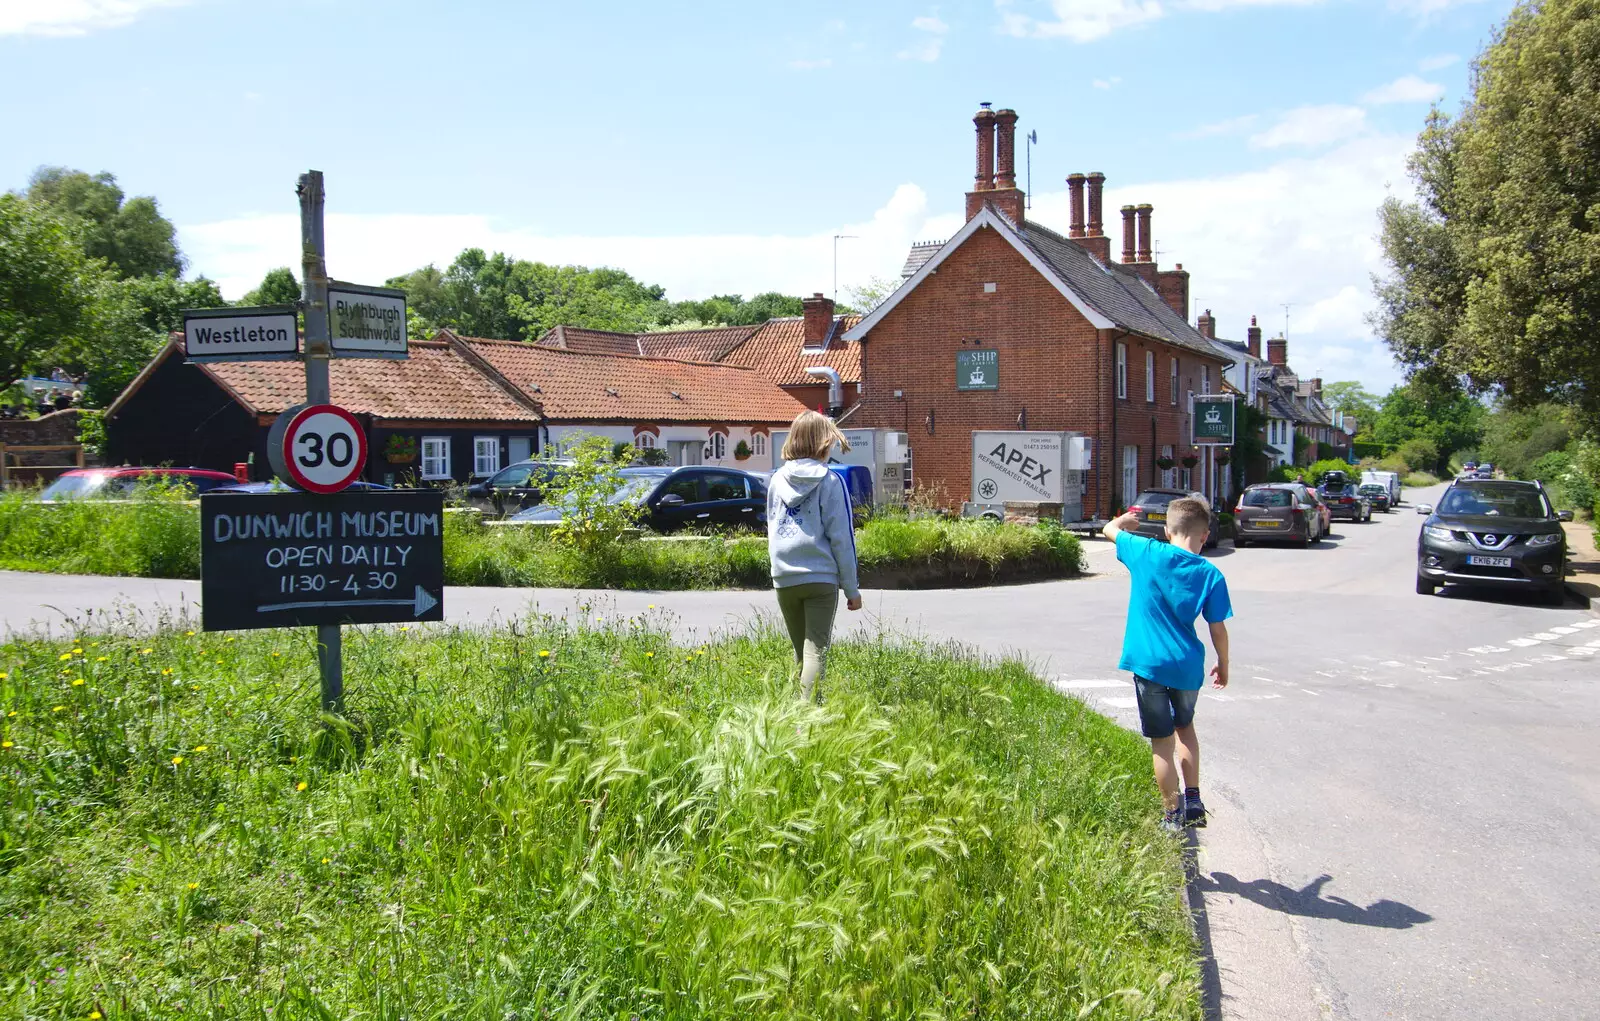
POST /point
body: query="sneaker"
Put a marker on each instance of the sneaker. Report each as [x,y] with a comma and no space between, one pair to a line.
[1194,811]
[1172,822]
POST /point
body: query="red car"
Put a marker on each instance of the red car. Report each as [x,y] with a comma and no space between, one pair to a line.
[118,483]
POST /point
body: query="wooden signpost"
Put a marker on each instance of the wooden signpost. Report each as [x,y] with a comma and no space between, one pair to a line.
[323,556]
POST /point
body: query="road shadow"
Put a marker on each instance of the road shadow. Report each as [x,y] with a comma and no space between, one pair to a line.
[1500,596]
[1194,891]
[1309,901]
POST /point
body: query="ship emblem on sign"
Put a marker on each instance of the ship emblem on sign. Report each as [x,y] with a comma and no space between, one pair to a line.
[976,377]
[987,489]
[1214,416]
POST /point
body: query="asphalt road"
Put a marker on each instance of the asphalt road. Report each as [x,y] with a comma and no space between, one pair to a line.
[1405,792]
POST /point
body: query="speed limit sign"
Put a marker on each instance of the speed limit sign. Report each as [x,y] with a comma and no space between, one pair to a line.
[317,447]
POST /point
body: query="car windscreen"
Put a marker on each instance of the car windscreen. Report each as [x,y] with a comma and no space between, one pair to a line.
[1155,499]
[1373,489]
[1500,501]
[1268,498]
[72,487]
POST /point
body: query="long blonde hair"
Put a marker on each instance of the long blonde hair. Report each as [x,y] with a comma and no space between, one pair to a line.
[813,435]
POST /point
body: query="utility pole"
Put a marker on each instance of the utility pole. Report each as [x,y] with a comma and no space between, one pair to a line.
[836,239]
[319,350]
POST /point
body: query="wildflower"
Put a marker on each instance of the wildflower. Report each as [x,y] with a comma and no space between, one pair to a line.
[4,676]
[58,708]
[12,712]
[219,662]
[294,758]
[101,659]
[5,744]
[166,672]
[544,653]
[275,655]
[326,860]
[649,655]
[77,682]
[146,652]
[65,655]
[405,627]
[228,639]
[200,747]
[77,652]
[95,1015]
[701,652]
[194,886]
[177,760]
[651,606]
[194,687]
[302,785]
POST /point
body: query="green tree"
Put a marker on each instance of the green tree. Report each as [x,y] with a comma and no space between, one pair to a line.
[868,296]
[131,236]
[1496,267]
[49,291]
[1443,415]
[1353,399]
[1515,438]
[597,505]
[278,287]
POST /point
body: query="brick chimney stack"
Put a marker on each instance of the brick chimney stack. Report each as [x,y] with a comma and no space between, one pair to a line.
[1278,352]
[1207,325]
[1253,339]
[1145,245]
[983,180]
[1127,234]
[1005,153]
[1075,189]
[1097,183]
[1316,387]
[818,311]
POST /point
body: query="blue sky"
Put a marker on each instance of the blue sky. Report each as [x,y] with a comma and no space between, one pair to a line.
[718,147]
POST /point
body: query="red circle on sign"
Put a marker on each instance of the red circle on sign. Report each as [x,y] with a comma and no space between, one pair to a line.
[312,448]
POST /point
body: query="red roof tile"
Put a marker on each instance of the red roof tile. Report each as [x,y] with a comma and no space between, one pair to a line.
[711,344]
[576,386]
[435,383]
[600,342]
[775,351]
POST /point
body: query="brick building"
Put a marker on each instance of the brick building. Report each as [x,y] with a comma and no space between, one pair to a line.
[1079,341]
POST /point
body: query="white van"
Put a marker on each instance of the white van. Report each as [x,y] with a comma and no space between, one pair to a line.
[1388,480]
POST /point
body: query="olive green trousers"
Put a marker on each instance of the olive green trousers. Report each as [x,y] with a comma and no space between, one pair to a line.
[808,612]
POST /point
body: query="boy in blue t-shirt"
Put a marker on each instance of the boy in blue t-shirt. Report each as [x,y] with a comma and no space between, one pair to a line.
[1172,585]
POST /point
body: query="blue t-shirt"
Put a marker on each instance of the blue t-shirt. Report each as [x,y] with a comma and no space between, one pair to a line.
[1171,587]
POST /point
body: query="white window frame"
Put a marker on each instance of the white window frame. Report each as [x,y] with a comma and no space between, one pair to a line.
[441,456]
[1174,381]
[485,450]
[716,447]
[1122,370]
[1130,473]
[1205,379]
[645,441]
[1168,474]
[1149,377]
[758,444]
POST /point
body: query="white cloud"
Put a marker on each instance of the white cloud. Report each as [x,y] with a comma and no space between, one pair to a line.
[1443,60]
[1081,21]
[931,45]
[1407,89]
[811,65]
[1108,83]
[72,17]
[1312,126]
[1231,126]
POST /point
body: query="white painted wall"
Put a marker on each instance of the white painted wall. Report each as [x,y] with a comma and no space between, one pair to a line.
[760,459]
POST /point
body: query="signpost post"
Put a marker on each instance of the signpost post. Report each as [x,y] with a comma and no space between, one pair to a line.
[321,557]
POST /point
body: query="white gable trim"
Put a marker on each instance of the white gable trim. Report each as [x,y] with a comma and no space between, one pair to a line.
[986,217]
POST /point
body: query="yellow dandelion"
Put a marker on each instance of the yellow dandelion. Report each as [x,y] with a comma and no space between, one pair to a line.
[219,662]
[166,672]
[649,655]
[95,1015]
[194,886]
[58,708]
[302,785]
[275,655]
[177,760]
[701,652]
[77,652]
[146,652]
[405,627]
[228,639]
[651,606]
[101,659]
[294,758]
[544,653]
[65,655]
[189,633]
[326,860]
[5,744]
[77,682]
[194,687]
[200,747]
[4,676]
[12,712]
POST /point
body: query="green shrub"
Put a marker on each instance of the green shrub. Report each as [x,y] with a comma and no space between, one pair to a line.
[1419,454]
[1418,480]
[548,822]
[154,534]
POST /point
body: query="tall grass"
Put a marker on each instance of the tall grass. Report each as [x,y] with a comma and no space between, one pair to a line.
[156,534]
[571,823]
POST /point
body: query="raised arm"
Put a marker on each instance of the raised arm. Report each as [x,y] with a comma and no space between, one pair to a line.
[1126,523]
[1219,641]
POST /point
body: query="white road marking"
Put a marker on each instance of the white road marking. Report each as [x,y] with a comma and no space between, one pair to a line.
[1544,636]
[1443,677]
[1563,630]
[1587,623]
[1582,650]
[1394,685]
[1595,644]
[1308,691]
[1522,643]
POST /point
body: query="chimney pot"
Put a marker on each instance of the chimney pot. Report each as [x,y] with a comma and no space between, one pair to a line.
[1075,189]
[984,122]
[1144,210]
[1127,234]
[1207,325]
[1278,352]
[1097,182]
[818,313]
[1005,159]
[1253,339]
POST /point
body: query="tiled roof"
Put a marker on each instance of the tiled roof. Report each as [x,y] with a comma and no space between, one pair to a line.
[776,349]
[920,253]
[574,386]
[578,338]
[1118,293]
[710,344]
[434,384]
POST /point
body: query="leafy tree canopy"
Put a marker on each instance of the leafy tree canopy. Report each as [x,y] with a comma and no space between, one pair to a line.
[278,287]
[48,288]
[1496,267]
[1353,399]
[1446,417]
[131,236]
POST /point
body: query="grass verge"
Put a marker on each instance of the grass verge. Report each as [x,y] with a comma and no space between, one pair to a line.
[571,823]
[157,535]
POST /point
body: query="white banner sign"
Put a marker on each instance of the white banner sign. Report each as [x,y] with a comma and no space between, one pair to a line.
[367,321]
[1017,467]
[229,334]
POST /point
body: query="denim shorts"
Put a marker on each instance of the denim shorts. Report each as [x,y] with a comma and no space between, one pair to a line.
[1162,709]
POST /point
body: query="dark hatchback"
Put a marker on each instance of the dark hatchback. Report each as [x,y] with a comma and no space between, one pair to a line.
[1151,507]
[514,488]
[677,498]
[1493,533]
[1346,501]
[1378,496]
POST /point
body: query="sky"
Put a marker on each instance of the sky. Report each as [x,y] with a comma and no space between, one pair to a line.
[718,147]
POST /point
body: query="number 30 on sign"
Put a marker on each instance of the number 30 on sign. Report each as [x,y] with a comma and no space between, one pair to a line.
[319,448]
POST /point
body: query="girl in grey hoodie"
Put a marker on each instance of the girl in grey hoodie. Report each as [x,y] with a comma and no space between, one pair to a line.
[811,542]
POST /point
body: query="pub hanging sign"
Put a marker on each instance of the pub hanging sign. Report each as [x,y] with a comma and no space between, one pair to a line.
[978,370]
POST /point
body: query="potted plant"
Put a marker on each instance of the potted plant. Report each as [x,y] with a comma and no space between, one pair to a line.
[742,451]
[400,449]
[1223,457]
[1165,463]
[1190,460]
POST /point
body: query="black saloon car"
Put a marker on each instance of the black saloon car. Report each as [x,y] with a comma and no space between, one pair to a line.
[676,498]
[1378,496]
[513,488]
[1493,533]
[1346,501]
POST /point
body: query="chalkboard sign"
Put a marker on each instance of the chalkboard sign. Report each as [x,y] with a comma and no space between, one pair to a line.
[292,559]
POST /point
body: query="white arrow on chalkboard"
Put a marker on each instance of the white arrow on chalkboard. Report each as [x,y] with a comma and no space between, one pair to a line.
[420,603]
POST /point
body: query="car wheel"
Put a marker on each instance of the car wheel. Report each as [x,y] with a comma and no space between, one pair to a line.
[1314,539]
[1240,543]
[1425,587]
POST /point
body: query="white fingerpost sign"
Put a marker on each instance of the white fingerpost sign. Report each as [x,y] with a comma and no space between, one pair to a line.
[366,322]
[320,448]
[234,334]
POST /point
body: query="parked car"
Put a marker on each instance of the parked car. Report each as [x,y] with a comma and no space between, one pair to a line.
[279,487]
[1378,496]
[676,498]
[1346,502]
[1388,480]
[119,483]
[1278,512]
[1151,507]
[1469,466]
[1486,470]
[515,487]
[1493,533]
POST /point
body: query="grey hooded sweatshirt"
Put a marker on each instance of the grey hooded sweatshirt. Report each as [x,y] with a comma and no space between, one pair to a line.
[811,535]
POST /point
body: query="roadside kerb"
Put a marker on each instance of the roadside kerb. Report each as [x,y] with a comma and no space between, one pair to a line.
[1584,561]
